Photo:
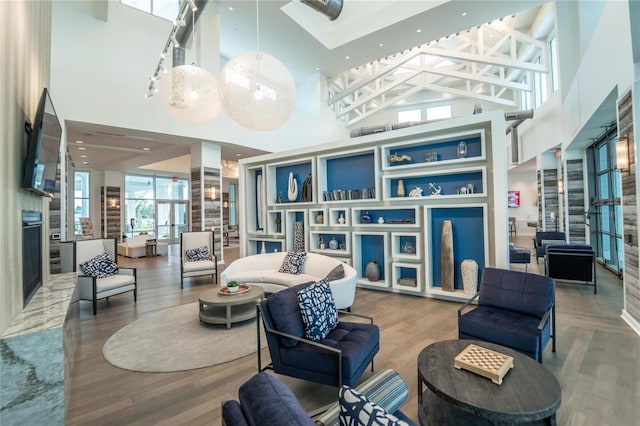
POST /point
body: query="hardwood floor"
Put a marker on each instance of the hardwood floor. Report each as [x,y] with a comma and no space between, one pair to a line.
[597,360]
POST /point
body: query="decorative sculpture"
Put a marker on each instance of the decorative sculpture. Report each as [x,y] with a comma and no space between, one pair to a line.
[307,193]
[415,192]
[400,191]
[446,256]
[292,193]
[469,271]
[435,190]
[395,158]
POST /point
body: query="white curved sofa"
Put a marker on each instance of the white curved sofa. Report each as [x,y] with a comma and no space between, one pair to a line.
[262,270]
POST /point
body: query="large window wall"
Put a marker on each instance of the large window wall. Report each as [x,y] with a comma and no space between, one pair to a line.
[156,205]
[80,199]
[606,211]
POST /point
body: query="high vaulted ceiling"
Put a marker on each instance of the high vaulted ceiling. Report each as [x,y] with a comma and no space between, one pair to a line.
[307,42]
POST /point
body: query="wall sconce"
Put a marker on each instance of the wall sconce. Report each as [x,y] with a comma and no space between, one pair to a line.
[622,154]
[561,186]
[225,204]
[113,202]
[212,193]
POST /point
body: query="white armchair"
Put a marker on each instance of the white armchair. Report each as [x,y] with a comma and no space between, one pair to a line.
[75,253]
[191,266]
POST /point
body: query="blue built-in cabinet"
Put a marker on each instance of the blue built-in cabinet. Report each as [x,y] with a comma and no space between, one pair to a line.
[458,167]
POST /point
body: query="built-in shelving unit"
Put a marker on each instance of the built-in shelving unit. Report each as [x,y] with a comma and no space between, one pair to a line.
[358,214]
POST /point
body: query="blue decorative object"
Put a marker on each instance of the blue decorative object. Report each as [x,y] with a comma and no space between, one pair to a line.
[101,266]
[356,409]
[318,310]
[365,218]
[198,254]
[293,262]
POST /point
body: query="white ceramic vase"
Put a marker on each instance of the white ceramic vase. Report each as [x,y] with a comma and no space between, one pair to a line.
[292,192]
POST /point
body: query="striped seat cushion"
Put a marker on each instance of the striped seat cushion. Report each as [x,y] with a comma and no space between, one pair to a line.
[386,389]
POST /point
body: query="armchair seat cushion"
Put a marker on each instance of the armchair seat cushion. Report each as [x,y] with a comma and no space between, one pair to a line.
[508,328]
[114,281]
[198,265]
[356,340]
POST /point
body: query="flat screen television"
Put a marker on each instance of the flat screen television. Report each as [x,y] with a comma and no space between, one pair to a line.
[513,199]
[43,149]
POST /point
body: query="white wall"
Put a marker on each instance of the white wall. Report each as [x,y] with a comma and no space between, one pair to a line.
[24,72]
[100,73]
[525,182]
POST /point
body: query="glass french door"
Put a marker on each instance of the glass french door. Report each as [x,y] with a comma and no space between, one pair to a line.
[172,220]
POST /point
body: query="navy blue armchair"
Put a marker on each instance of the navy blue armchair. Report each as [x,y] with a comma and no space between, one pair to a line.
[572,262]
[340,358]
[545,238]
[515,309]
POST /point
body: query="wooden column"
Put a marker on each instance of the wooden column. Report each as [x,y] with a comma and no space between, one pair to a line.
[574,186]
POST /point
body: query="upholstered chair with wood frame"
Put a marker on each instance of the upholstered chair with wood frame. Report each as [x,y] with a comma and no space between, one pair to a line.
[99,277]
[197,255]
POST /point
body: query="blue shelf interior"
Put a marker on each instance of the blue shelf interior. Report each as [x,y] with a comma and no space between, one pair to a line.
[468,239]
[258,173]
[298,217]
[269,246]
[407,272]
[448,182]
[372,248]
[300,173]
[352,172]
[387,215]
[446,150]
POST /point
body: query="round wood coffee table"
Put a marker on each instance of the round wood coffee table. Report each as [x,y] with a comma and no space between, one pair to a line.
[222,309]
[529,393]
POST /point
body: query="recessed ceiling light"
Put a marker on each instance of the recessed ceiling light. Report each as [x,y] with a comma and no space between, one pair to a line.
[83,156]
[380,44]
[79,141]
[238,155]
[231,9]
[317,68]
[81,148]
[347,57]
[419,30]
[146,149]
[85,162]
[464,13]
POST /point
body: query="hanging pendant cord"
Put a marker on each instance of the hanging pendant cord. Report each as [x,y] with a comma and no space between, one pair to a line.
[258,25]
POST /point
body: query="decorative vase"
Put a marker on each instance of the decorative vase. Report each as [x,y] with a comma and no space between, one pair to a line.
[469,270]
[298,236]
[333,243]
[321,243]
[400,191]
[365,218]
[320,218]
[446,256]
[381,220]
[292,192]
[461,150]
[307,194]
[262,249]
[372,271]
[341,219]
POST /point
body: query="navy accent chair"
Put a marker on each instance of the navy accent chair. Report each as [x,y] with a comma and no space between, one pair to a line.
[515,309]
[572,262]
[540,247]
[340,358]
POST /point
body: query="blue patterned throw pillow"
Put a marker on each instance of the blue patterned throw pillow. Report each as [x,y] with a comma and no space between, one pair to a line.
[293,262]
[101,266]
[356,410]
[318,309]
[198,254]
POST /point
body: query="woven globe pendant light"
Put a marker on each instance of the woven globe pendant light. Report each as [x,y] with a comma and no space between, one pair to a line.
[257,91]
[190,93]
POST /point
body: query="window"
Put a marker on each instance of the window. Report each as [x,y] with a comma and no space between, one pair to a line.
[409,116]
[233,220]
[539,86]
[167,9]
[553,53]
[439,112]
[80,199]
[525,96]
[139,211]
[606,212]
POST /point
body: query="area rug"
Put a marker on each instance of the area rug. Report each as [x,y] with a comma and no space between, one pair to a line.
[174,339]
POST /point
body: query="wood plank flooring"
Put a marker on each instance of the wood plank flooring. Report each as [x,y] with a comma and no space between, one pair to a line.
[597,360]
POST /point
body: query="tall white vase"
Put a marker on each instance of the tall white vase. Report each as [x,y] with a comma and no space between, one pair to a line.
[469,270]
[292,192]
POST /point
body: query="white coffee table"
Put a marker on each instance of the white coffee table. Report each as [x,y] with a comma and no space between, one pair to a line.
[227,309]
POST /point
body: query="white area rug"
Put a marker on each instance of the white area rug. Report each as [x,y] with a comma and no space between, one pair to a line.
[174,339]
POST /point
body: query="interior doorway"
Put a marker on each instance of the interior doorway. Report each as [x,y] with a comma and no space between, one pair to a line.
[172,220]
